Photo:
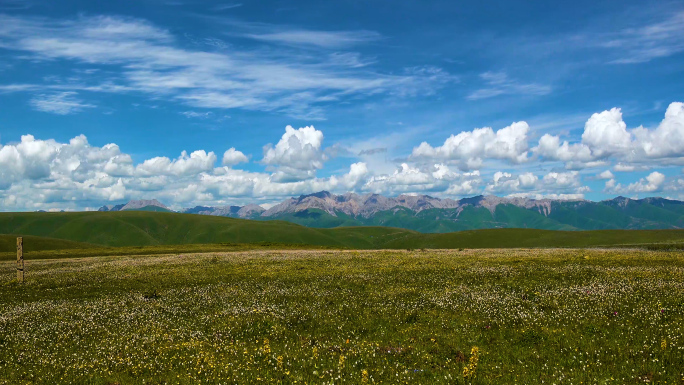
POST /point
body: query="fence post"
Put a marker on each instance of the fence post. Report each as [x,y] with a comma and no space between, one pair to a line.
[20,259]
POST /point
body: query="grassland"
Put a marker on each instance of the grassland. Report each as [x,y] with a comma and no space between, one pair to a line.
[104,230]
[558,316]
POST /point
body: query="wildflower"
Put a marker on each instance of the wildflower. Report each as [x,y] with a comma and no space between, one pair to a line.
[280,362]
[663,344]
[340,364]
[267,347]
[364,376]
[469,370]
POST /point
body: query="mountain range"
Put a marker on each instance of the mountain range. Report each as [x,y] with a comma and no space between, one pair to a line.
[434,215]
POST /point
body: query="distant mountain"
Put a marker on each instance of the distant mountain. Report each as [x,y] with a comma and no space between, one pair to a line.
[250,211]
[112,208]
[138,205]
[429,214]
[434,215]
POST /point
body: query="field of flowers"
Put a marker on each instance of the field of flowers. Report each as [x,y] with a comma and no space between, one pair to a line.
[355,317]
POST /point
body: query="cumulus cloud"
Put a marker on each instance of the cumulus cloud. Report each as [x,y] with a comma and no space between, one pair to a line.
[605,175]
[538,196]
[506,182]
[232,157]
[186,164]
[531,184]
[36,173]
[407,178]
[606,137]
[562,180]
[297,155]
[36,170]
[43,174]
[469,149]
[652,183]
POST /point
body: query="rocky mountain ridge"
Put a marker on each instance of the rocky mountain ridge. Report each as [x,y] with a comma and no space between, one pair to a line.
[367,205]
[135,205]
[425,213]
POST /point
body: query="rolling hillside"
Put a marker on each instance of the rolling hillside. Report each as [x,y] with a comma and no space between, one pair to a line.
[60,231]
[8,243]
[148,228]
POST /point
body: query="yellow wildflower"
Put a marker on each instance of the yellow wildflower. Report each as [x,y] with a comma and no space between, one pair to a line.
[469,370]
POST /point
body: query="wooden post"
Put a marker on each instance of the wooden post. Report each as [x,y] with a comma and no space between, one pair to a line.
[20,259]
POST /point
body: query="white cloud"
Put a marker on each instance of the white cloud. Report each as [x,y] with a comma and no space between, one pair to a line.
[666,140]
[469,149]
[531,184]
[652,183]
[195,114]
[297,155]
[36,172]
[606,134]
[537,196]
[357,175]
[550,148]
[322,39]
[42,174]
[498,83]
[193,164]
[606,138]
[621,167]
[463,188]
[407,179]
[605,175]
[151,60]
[63,103]
[562,180]
[639,45]
[232,157]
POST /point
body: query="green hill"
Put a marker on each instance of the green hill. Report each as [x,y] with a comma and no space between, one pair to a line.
[146,228]
[8,243]
[61,231]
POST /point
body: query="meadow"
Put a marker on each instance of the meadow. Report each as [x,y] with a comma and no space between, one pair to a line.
[97,230]
[498,316]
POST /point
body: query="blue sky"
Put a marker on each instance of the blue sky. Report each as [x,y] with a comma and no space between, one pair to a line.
[188,101]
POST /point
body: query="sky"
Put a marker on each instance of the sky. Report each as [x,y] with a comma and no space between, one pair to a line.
[214,103]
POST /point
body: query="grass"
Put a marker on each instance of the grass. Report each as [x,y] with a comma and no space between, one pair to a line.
[144,228]
[158,229]
[321,317]
[89,251]
[8,244]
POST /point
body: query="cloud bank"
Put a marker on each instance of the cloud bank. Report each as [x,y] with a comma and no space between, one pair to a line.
[44,173]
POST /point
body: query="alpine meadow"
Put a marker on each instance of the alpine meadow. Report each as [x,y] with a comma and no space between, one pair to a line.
[306,192]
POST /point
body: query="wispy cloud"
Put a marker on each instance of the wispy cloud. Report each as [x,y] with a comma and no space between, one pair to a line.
[498,83]
[645,43]
[299,37]
[151,60]
[195,114]
[225,7]
[63,103]
[323,39]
